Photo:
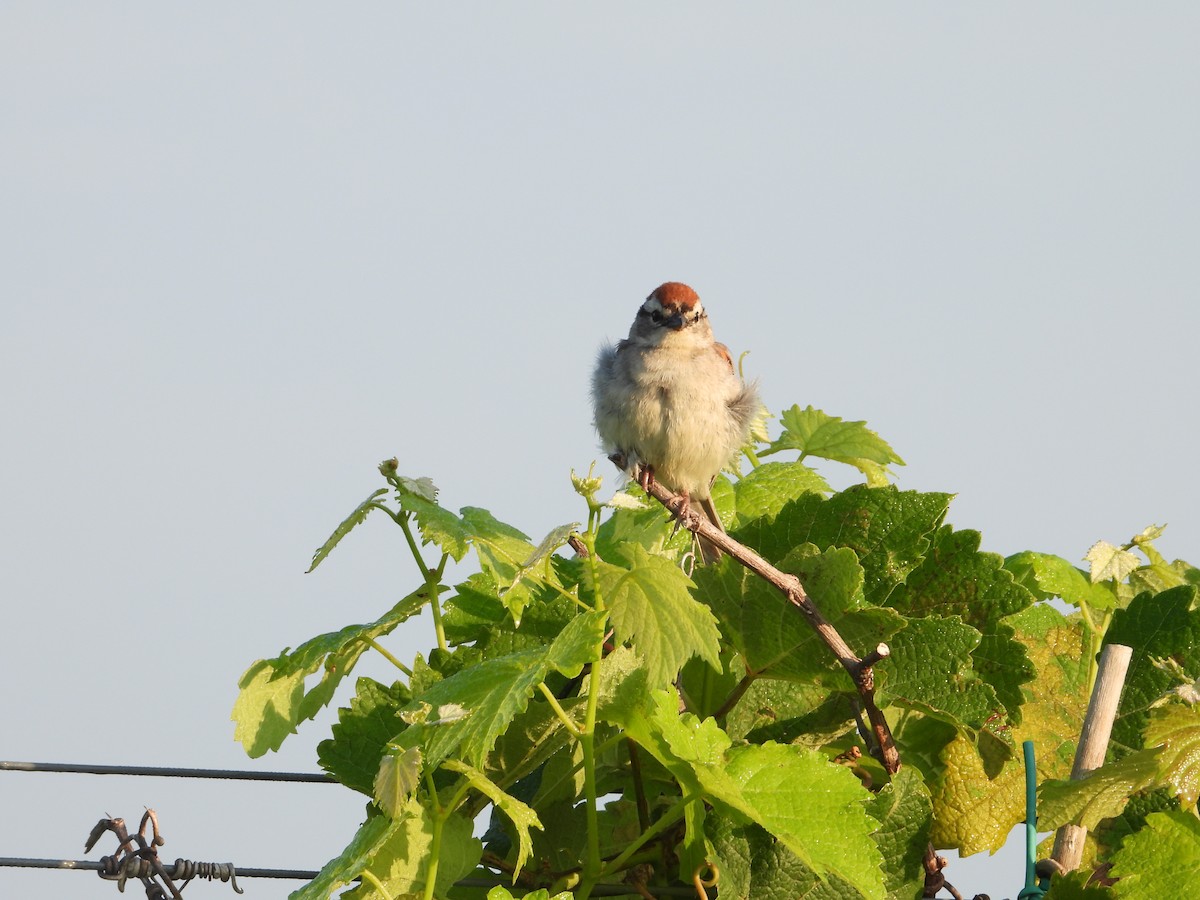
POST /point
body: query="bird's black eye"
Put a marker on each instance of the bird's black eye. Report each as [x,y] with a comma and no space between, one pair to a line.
[656,316]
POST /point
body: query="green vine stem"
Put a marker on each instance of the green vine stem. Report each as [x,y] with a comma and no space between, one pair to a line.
[435,847]
[377,884]
[566,720]
[587,739]
[382,651]
[665,821]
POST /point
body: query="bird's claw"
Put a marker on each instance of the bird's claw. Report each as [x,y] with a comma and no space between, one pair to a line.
[645,477]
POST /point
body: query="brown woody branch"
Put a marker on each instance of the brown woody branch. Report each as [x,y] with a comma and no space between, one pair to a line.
[860,669]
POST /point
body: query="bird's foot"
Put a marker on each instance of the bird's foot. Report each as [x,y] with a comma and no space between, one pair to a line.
[645,477]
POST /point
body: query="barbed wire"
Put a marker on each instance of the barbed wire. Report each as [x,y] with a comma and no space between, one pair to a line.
[88,865]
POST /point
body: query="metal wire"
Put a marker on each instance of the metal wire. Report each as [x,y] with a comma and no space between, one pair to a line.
[165,772]
[187,869]
[601,890]
[88,865]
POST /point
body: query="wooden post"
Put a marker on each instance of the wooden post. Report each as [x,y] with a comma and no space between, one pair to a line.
[1093,742]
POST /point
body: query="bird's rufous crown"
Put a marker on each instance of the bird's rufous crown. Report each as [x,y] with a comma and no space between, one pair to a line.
[675,295]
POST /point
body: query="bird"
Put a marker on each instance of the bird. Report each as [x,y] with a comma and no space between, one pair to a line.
[669,406]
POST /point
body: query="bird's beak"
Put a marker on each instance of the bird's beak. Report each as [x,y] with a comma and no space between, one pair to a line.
[675,323]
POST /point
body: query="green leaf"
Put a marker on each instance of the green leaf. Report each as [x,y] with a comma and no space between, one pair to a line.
[1175,729]
[767,489]
[1074,886]
[1101,794]
[530,739]
[1109,563]
[815,433]
[1049,576]
[1155,626]
[494,691]
[522,816]
[651,608]
[956,579]
[775,638]
[930,670]
[755,865]
[535,572]
[267,708]
[647,526]
[1003,662]
[888,530]
[784,787]
[401,860]
[348,524]
[499,892]
[792,712]
[362,733]
[904,811]
[973,812]
[439,526]
[1056,700]
[350,863]
[506,554]
[1161,859]
[1148,534]
[502,549]
[1161,575]
[272,699]
[397,779]
[1111,834]
[477,614]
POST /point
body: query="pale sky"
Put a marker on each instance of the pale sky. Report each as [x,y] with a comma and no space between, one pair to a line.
[247,252]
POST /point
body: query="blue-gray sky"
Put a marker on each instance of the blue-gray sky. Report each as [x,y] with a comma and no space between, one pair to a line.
[248,252]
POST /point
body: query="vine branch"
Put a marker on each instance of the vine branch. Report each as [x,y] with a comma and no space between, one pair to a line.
[860,669]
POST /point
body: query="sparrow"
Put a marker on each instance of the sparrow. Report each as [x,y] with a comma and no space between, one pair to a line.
[669,406]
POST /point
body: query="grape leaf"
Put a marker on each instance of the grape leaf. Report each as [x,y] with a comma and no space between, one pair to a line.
[973,812]
[1074,886]
[889,530]
[904,811]
[755,865]
[1161,859]
[521,815]
[1048,576]
[499,892]
[350,863]
[774,637]
[1003,662]
[351,521]
[1101,794]
[815,433]
[783,787]
[1109,563]
[438,525]
[1155,626]
[977,804]
[397,779]
[493,692]
[956,579]
[401,860]
[765,490]
[272,699]
[1175,729]
[362,732]
[930,671]
[652,609]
